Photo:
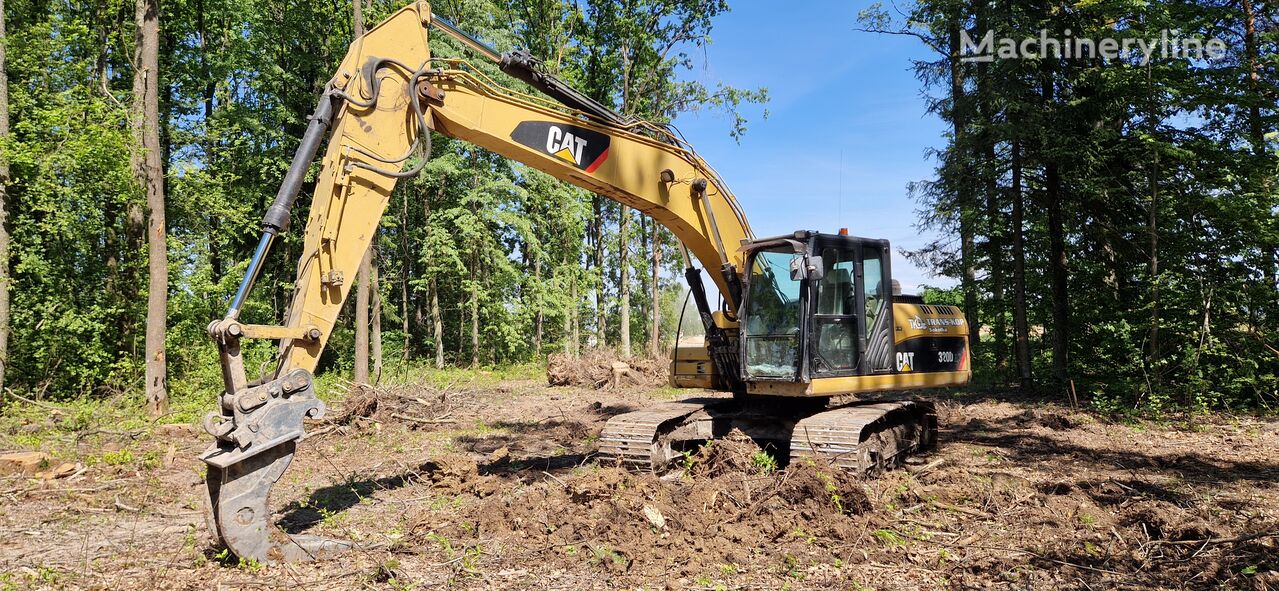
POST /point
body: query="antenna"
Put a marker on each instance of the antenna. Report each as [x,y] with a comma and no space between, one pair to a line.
[839,216]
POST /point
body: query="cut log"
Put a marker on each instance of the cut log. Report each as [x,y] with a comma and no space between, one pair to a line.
[25,462]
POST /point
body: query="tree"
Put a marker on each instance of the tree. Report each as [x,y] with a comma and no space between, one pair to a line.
[1141,193]
[362,292]
[375,331]
[490,269]
[4,205]
[362,282]
[149,172]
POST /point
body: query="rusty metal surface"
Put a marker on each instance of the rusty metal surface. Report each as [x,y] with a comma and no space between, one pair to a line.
[866,437]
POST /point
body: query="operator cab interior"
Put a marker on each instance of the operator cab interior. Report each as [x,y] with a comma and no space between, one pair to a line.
[816,305]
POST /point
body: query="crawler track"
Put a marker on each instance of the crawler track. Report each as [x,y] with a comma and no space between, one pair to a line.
[635,438]
[866,437]
[861,437]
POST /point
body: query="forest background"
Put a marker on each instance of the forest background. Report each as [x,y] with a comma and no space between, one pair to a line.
[1111,226]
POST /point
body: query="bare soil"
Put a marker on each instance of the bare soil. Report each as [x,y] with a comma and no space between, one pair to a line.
[497,488]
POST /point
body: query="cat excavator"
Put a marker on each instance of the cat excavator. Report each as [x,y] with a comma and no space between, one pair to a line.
[806,322]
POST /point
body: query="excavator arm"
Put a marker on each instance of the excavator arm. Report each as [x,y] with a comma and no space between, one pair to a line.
[378,112]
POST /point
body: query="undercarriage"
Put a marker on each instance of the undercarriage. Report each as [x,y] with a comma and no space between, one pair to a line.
[857,436]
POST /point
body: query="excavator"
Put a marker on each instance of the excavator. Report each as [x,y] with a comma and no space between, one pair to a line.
[806,322]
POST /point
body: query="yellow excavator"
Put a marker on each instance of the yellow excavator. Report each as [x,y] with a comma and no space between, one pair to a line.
[807,321]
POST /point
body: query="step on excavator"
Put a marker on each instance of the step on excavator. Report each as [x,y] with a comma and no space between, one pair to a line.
[806,322]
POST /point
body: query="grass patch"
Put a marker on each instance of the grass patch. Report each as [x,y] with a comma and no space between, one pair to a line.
[890,537]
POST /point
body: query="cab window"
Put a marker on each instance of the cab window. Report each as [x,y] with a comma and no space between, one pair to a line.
[878,319]
[773,318]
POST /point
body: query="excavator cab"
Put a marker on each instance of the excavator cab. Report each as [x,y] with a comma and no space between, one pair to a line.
[821,317]
[819,320]
[816,305]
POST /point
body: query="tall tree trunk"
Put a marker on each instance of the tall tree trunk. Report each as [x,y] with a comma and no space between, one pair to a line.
[995,247]
[1152,228]
[1057,262]
[1059,274]
[475,309]
[406,271]
[537,332]
[149,172]
[623,281]
[601,321]
[645,312]
[575,340]
[135,214]
[1021,328]
[1256,130]
[1257,134]
[655,336]
[362,321]
[404,321]
[120,241]
[362,281]
[437,325]
[994,208]
[4,204]
[214,219]
[357,17]
[967,247]
[437,318]
[570,317]
[375,296]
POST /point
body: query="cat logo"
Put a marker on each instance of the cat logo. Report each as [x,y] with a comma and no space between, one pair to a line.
[905,359]
[584,148]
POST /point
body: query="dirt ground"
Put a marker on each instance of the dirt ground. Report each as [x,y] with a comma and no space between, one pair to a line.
[496,487]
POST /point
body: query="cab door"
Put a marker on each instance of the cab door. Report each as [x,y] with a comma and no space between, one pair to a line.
[851,330]
[877,302]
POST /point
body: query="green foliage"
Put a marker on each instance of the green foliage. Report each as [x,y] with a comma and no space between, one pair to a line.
[890,538]
[122,457]
[936,295]
[1148,194]
[500,253]
[764,462]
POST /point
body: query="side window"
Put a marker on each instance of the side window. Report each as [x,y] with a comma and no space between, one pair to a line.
[773,318]
[879,347]
[873,271]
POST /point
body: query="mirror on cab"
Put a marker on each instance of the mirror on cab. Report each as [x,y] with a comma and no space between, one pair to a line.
[810,267]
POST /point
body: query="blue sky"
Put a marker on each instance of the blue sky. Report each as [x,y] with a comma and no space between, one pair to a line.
[832,90]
